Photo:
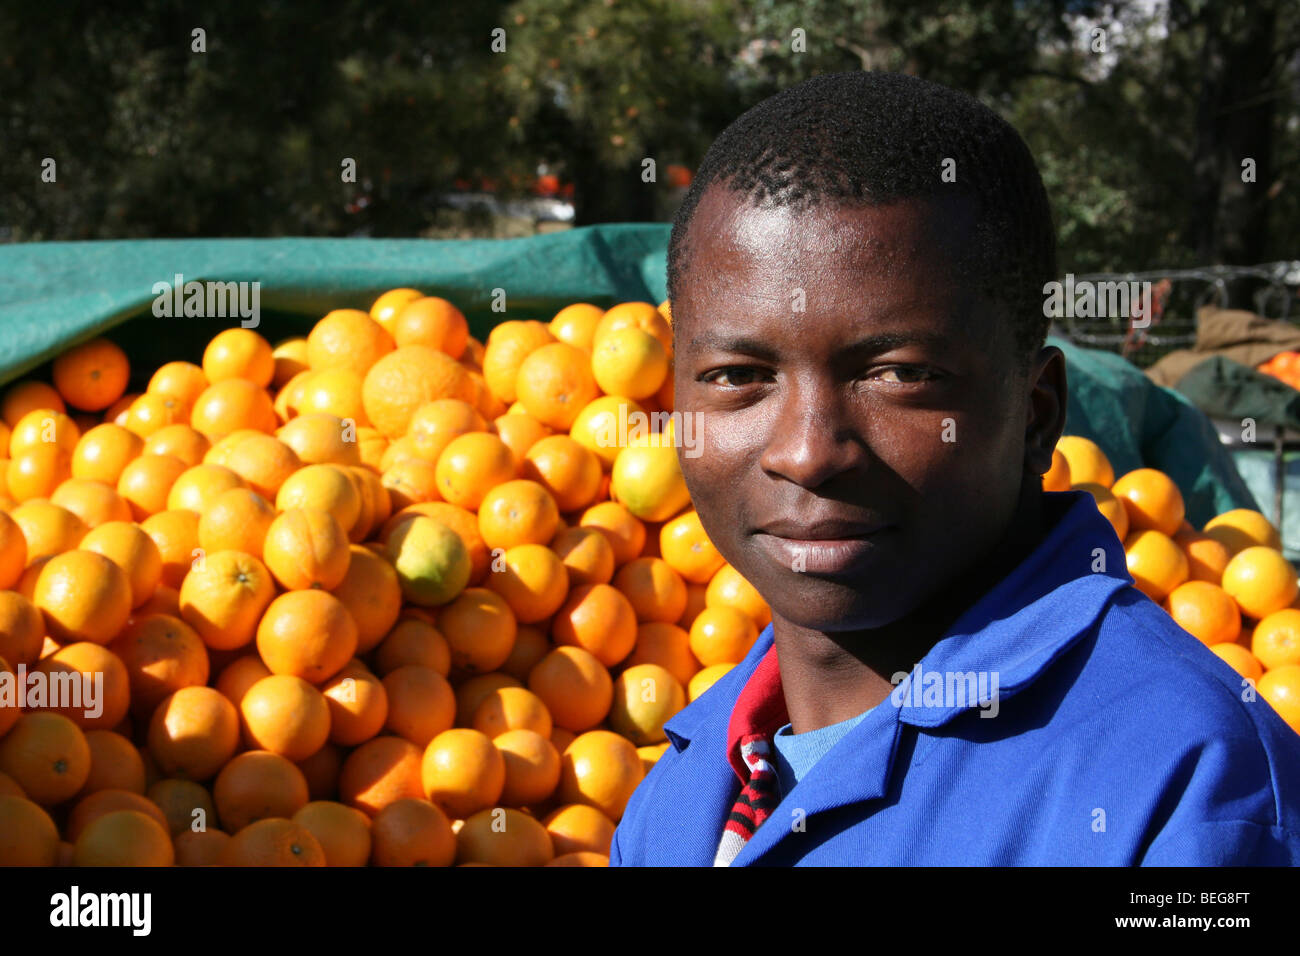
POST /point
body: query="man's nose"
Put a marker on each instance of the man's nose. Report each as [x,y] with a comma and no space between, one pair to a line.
[814,437]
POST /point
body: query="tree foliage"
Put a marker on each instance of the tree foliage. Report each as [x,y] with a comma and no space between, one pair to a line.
[1141,143]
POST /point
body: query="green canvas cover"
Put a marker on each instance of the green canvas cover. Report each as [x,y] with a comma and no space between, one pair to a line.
[54,295]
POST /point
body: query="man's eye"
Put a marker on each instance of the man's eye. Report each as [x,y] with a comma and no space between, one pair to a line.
[904,374]
[733,376]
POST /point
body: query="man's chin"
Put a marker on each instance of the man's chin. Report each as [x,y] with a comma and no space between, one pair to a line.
[832,605]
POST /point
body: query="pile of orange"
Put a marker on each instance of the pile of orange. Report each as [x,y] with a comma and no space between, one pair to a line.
[1284,366]
[383,595]
[1227,584]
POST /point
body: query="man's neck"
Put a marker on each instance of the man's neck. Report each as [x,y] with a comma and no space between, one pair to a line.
[828,678]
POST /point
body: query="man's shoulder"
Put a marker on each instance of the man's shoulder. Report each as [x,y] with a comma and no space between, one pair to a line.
[1178,712]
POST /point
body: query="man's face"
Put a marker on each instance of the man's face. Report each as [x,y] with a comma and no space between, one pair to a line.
[861,425]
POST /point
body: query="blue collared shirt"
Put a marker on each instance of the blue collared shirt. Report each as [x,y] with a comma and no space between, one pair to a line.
[1115,738]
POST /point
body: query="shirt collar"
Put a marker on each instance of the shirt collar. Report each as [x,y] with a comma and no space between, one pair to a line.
[1014,631]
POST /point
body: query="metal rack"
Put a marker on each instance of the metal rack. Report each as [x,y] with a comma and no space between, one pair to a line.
[1177,296]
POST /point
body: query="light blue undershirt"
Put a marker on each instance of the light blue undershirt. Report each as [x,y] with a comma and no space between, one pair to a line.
[796,753]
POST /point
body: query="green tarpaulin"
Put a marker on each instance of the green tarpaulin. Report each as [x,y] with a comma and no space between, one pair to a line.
[53,295]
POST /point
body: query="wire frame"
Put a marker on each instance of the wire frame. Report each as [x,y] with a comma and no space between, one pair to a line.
[1177,295]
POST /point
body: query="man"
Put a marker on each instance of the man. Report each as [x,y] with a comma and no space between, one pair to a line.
[958,670]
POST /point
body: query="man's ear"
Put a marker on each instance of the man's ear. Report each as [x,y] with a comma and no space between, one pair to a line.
[1046,408]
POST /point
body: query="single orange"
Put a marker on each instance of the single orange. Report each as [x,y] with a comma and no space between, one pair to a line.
[183,380]
[533,581]
[285,715]
[104,451]
[305,548]
[1155,562]
[568,470]
[198,487]
[162,654]
[575,687]
[1276,639]
[462,772]
[503,837]
[273,842]
[229,405]
[517,512]
[1281,688]
[115,764]
[1087,462]
[687,548]
[379,772]
[1152,500]
[1207,612]
[13,551]
[600,769]
[586,554]
[578,828]
[532,766]
[84,596]
[47,529]
[412,641]
[479,627]
[239,354]
[576,324]
[722,634]
[421,704]
[555,383]
[347,339]
[472,465]
[433,322]
[655,591]
[47,755]
[307,634]
[223,598]
[342,831]
[124,838]
[629,361]
[1261,580]
[91,376]
[237,520]
[36,471]
[412,832]
[146,483]
[358,705]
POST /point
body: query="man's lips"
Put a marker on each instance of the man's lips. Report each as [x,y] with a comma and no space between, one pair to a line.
[829,546]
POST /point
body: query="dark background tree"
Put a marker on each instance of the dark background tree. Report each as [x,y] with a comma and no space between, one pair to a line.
[1140,141]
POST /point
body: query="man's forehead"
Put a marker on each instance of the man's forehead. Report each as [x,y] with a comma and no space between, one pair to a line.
[730,233]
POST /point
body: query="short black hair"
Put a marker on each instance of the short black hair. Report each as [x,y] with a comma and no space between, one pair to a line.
[869,138]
